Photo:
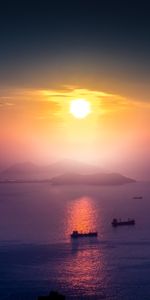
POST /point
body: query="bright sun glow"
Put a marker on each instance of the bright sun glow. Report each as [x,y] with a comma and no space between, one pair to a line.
[80,108]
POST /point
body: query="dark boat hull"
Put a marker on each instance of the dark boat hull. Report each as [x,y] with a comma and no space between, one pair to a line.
[84,235]
[125,223]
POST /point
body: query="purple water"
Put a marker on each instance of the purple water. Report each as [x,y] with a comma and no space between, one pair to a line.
[37,255]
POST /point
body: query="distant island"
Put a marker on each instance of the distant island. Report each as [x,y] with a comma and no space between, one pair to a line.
[92,179]
[62,173]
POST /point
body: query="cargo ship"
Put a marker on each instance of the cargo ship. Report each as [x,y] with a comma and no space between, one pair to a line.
[116,222]
[75,234]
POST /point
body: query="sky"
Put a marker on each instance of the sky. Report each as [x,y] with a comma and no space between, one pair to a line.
[52,52]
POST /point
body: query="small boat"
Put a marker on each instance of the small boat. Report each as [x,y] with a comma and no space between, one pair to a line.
[137,197]
[75,234]
[116,222]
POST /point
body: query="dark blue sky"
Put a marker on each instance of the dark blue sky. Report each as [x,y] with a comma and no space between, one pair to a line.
[76,42]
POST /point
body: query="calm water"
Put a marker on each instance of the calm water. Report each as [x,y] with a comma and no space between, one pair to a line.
[36,254]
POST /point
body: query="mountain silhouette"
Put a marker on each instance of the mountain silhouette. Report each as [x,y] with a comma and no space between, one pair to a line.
[62,172]
[28,170]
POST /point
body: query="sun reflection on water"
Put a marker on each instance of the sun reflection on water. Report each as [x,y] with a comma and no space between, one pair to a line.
[83,270]
[81,215]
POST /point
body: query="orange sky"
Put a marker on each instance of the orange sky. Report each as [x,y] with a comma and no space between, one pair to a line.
[37,125]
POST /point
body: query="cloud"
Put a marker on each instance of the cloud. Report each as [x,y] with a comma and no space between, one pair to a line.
[4,102]
[101,101]
[48,103]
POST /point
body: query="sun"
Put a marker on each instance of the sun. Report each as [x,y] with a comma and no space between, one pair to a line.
[80,108]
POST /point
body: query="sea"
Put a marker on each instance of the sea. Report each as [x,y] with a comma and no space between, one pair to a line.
[37,254]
